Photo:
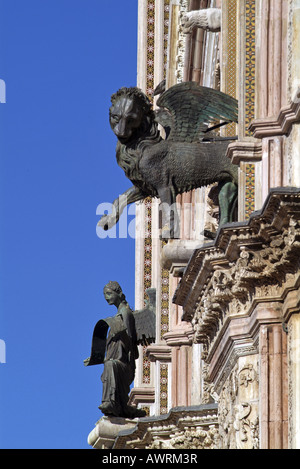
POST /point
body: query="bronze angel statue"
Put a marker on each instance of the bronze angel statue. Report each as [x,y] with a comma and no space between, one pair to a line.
[114,344]
[184,160]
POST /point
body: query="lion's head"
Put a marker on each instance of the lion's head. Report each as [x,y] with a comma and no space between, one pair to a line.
[130,115]
[133,122]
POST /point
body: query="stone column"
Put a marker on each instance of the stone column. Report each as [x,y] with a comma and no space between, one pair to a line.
[240,80]
[180,341]
[272,18]
[273,385]
[292,320]
[294,382]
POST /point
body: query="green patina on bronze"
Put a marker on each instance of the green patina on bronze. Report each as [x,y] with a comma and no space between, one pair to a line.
[189,156]
[114,344]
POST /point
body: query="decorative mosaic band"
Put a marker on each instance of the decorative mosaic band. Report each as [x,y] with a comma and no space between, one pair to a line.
[250,64]
[148,200]
[250,190]
[149,92]
[148,245]
[164,317]
[147,410]
[164,324]
[166,33]
[231,69]
[164,321]
[250,100]
[163,388]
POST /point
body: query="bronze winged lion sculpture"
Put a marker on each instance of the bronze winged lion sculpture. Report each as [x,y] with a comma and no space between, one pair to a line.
[184,160]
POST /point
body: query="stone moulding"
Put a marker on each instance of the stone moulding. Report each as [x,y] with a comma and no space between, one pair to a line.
[244,151]
[143,395]
[159,352]
[182,428]
[268,127]
[248,263]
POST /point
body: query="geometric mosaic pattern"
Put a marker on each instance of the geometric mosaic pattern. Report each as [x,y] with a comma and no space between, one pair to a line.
[250,64]
[249,81]
[250,190]
[149,91]
[166,32]
[164,325]
[231,64]
[163,388]
[150,47]
[148,200]
[164,321]
[250,100]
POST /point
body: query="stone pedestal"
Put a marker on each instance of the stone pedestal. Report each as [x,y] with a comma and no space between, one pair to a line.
[106,431]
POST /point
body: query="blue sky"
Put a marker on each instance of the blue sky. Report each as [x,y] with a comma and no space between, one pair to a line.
[61,61]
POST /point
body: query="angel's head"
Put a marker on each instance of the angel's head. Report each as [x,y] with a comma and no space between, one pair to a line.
[113,293]
[129,111]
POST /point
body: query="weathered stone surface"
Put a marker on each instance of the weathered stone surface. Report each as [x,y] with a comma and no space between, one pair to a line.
[182,428]
[209,19]
[249,262]
[106,430]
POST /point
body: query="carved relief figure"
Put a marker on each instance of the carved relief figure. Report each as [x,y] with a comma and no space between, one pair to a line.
[188,158]
[238,408]
[118,350]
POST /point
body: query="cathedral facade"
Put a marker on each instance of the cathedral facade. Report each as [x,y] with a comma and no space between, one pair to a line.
[224,372]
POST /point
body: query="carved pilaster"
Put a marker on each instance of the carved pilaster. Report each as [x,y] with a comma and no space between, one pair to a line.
[238,407]
[291,312]
[273,387]
[180,341]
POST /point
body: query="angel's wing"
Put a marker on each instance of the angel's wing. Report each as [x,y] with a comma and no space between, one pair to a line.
[145,320]
[189,108]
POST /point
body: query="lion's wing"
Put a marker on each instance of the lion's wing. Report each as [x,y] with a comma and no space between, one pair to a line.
[189,109]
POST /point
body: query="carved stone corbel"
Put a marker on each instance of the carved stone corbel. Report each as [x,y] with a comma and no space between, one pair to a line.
[208,19]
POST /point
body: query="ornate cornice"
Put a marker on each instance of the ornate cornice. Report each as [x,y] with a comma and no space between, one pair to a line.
[249,263]
[182,428]
[270,127]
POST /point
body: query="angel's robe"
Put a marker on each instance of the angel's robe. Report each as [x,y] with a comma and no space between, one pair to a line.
[118,351]
[119,362]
